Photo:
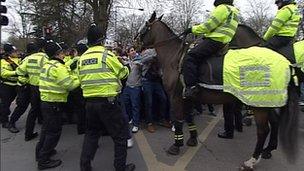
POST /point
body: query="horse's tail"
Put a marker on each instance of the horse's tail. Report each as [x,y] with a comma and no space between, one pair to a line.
[288,129]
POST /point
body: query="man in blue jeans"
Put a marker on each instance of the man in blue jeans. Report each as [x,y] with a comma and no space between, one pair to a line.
[153,89]
[131,96]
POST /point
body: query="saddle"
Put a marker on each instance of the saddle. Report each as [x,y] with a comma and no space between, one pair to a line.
[288,52]
[211,72]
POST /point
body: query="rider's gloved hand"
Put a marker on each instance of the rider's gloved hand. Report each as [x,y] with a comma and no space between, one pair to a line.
[187,31]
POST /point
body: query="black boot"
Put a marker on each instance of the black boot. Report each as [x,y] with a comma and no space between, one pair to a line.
[130,167]
[225,135]
[49,164]
[30,137]
[12,128]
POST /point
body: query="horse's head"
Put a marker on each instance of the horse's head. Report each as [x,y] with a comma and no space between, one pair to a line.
[146,34]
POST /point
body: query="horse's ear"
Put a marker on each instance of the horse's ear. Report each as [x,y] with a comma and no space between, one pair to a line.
[159,18]
[153,17]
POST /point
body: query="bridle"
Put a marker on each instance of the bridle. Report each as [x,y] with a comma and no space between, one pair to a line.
[157,44]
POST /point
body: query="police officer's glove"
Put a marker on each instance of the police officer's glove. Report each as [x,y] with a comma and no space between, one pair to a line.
[73,65]
[187,31]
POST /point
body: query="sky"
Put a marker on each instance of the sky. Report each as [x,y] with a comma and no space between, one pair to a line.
[206,5]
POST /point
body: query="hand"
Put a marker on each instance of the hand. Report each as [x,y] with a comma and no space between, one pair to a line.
[187,31]
[73,65]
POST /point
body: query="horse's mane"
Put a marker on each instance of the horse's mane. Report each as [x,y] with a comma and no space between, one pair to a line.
[249,29]
[170,30]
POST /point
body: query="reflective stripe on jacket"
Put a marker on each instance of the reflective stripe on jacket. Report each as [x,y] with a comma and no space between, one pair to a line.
[31,66]
[221,26]
[285,23]
[257,76]
[56,81]
[8,73]
[100,73]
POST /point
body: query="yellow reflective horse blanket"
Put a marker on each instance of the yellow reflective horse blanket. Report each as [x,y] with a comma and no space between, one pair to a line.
[257,76]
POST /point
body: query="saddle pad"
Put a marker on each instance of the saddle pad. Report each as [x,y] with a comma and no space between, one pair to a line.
[211,73]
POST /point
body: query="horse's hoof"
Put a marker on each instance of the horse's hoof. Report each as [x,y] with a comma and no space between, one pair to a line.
[192,142]
[245,168]
[266,155]
[173,150]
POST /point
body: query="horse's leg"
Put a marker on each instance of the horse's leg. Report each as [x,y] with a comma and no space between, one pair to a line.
[261,119]
[273,139]
[178,124]
[192,141]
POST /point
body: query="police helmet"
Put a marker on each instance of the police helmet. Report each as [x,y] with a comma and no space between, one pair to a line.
[40,43]
[52,48]
[8,48]
[219,2]
[94,35]
[31,48]
[81,48]
[284,1]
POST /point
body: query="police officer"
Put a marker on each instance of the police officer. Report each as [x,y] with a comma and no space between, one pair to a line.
[32,66]
[8,84]
[284,26]
[218,31]
[54,84]
[100,73]
[75,98]
[23,93]
[233,119]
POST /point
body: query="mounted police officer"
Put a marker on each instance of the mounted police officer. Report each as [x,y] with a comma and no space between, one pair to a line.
[218,31]
[100,73]
[284,27]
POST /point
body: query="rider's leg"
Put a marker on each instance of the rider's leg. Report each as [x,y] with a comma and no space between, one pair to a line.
[277,42]
[194,58]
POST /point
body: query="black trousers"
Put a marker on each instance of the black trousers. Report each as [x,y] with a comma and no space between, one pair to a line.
[50,130]
[77,103]
[103,116]
[193,59]
[34,112]
[22,101]
[277,42]
[232,116]
[7,95]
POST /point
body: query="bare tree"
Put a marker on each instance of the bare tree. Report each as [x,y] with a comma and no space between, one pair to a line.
[21,25]
[301,26]
[258,16]
[101,13]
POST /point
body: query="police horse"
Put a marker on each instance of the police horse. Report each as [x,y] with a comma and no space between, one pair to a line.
[170,49]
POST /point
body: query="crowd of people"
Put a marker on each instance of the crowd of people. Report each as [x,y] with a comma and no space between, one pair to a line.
[106,87]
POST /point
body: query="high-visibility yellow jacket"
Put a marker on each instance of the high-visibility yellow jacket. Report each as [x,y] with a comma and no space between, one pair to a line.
[56,81]
[100,73]
[257,76]
[32,66]
[285,23]
[8,70]
[299,54]
[221,26]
